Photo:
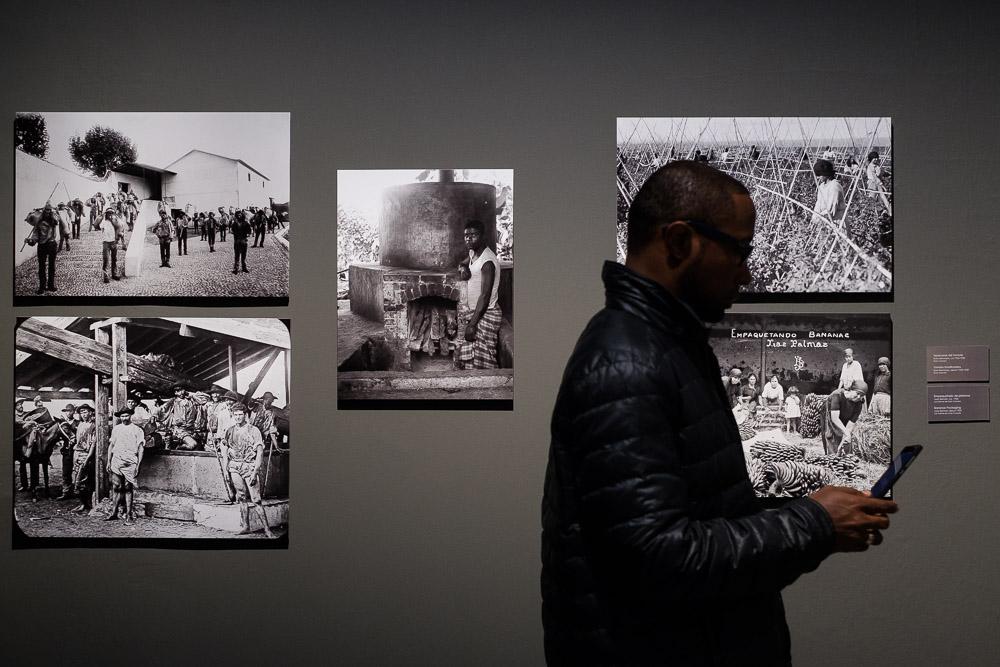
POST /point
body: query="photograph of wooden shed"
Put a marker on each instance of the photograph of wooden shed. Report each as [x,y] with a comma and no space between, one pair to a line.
[102,362]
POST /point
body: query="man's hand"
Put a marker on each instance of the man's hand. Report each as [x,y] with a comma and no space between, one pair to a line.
[470,332]
[857,517]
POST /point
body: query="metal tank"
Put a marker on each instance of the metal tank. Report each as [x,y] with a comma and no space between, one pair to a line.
[422,224]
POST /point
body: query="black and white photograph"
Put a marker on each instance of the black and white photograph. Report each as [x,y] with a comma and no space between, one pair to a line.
[425,288]
[151,207]
[812,396]
[151,430]
[822,187]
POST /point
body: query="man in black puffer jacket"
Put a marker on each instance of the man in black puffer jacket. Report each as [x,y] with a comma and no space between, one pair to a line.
[655,550]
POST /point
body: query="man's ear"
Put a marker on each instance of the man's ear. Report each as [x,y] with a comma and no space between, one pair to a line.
[678,240]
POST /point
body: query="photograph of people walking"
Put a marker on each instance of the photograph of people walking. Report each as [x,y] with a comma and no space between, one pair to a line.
[136,206]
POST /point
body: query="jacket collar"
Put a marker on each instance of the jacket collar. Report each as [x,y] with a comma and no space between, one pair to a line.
[637,295]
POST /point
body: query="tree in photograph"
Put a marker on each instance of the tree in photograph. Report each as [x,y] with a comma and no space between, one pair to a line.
[30,134]
[101,150]
[357,239]
[505,221]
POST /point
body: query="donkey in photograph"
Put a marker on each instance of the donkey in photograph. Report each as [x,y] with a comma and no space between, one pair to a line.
[33,446]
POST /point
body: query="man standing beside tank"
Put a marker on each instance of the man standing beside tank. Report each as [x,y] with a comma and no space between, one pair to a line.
[482,270]
[655,549]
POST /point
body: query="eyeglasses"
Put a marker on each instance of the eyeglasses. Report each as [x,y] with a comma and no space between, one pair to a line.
[742,247]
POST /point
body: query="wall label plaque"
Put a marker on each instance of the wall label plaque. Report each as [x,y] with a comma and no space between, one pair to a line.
[958,363]
[958,403]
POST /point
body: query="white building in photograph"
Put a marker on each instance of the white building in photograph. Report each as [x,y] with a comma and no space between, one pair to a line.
[206,181]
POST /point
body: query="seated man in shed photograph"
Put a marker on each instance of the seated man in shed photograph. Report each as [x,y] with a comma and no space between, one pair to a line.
[182,416]
[655,549]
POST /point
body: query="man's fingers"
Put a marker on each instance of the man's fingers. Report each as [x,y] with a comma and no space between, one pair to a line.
[879,506]
[854,541]
[865,522]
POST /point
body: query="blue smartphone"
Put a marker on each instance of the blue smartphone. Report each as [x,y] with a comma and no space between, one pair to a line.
[895,470]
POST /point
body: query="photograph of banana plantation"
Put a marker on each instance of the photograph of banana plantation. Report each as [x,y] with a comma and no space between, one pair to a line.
[822,187]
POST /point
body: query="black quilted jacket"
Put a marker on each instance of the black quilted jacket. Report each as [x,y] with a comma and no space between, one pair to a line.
[655,550]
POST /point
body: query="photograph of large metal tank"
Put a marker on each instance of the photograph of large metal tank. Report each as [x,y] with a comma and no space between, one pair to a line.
[412,253]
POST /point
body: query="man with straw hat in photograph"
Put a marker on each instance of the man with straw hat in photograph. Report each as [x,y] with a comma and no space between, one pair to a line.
[125,448]
[243,454]
[83,458]
[66,446]
[182,415]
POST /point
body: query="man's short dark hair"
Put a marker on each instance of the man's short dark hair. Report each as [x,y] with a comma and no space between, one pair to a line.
[681,190]
[824,168]
[477,225]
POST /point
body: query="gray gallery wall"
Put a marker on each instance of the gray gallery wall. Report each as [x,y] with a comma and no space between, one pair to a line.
[415,536]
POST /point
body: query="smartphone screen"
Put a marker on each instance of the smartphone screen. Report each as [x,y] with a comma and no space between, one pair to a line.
[895,470]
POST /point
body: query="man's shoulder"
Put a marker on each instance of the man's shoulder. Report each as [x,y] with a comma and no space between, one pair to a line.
[619,343]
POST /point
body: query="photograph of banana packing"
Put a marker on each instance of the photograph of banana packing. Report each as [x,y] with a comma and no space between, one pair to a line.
[822,187]
[812,396]
[151,431]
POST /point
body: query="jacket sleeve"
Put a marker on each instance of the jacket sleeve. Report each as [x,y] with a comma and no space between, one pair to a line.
[634,502]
